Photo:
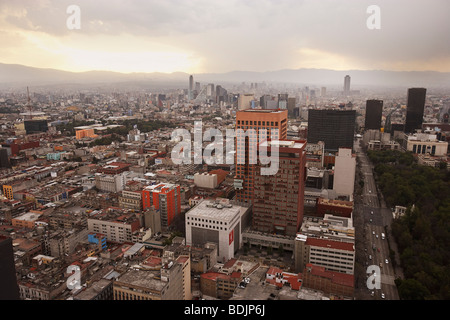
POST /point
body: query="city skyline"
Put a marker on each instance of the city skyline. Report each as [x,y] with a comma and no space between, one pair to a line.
[204,37]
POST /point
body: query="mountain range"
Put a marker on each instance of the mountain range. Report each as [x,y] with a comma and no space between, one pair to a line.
[14,75]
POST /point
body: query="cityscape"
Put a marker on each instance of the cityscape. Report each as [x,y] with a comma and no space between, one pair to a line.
[303,183]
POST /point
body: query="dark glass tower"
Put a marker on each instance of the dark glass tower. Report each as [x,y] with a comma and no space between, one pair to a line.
[334,127]
[374,109]
[414,109]
[9,290]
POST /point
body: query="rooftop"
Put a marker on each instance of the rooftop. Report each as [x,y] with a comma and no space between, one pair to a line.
[144,279]
[215,209]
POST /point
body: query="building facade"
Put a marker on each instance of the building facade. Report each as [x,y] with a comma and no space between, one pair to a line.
[164,197]
[344,173]
[374,111]
[336,128]
[278,198]
[415,107]
[275,122]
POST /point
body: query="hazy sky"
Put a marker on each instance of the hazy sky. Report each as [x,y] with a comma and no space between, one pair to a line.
[200,36]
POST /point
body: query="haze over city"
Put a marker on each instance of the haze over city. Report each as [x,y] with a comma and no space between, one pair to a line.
[245,151]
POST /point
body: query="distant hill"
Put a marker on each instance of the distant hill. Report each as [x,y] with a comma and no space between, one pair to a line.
[12,75]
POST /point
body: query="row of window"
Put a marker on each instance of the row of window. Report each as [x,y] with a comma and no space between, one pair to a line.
[259,123]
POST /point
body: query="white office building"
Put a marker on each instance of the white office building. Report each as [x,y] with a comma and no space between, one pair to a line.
[217,221]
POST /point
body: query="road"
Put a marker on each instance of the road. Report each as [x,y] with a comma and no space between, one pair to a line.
[376,217]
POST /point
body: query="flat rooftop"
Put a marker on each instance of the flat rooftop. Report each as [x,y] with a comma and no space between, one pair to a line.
[215,210]
[143,279]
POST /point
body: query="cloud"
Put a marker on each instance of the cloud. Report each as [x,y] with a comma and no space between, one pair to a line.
[254,35]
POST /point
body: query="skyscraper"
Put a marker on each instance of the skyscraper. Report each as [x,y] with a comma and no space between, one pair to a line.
[334,127]
[8,281]
[415,106]
[374,109]
[347,84]
[278,199]
[255,119]
[191,87]
[292,110]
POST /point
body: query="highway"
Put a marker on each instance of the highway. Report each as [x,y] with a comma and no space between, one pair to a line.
[376,217]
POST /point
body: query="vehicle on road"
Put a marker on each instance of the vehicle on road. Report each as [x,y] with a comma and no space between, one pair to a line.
[386,261]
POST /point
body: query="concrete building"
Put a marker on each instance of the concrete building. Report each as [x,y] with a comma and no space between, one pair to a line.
[64,242]
[344,173]
[169,283]
[244,100]
[278,198]
[424,143]
[26,220]
[206,180]
[130,200]
[220,222]
[110,183]
[333,255]
[331,283]
[117,226]
[166,198]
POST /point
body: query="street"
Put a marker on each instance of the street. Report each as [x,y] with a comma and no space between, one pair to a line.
[375,218]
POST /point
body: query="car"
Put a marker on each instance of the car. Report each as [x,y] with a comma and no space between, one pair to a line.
[377,236]
[373,232]
[386,261]
[371,212]
[382,295]
[247,280]
[370,257]
[371,220]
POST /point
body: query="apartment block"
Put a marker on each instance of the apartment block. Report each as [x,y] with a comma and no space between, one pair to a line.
[116,225]
[164,197]
[333,255]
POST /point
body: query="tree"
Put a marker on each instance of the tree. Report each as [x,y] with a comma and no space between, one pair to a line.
[411,289]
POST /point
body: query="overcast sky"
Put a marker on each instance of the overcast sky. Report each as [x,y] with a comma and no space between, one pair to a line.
[208,36]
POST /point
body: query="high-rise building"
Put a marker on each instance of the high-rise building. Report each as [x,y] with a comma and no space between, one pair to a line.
[347,84]
[278,198]
[414,109]
[292,110]
[164,197]
[8,281]
[191,87]
[344,173]
[374,110]
[244,100]
[210,92]
[334,127]
[256,119]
